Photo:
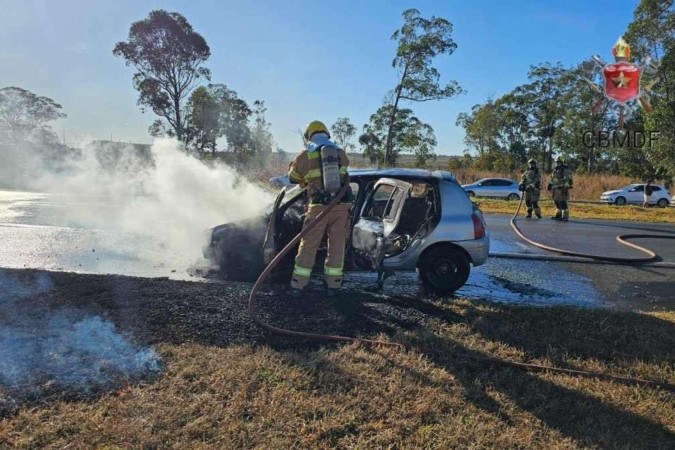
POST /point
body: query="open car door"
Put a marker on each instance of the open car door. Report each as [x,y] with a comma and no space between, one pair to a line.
[268,245]
[380,216]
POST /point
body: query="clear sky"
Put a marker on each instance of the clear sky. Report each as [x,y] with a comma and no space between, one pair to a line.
[306,59]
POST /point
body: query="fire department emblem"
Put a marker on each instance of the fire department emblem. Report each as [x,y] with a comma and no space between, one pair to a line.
[621,80]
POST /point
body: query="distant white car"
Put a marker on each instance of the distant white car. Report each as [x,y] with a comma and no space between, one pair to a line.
[494,187]
[633,193]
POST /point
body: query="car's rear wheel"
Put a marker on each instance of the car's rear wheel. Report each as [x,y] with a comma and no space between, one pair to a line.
[620,201]
[513,197]
[662,203]
[444,269]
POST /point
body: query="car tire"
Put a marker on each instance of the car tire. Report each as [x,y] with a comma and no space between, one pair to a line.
[620,201]
[444,269]
[512,197]
[662,203]
[471,194]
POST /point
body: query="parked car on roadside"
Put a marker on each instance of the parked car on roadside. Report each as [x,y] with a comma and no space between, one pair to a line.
[633,194]
[402,219]
[494,187]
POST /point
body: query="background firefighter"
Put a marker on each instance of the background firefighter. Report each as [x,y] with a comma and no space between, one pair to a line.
[560,185]
[530,184]
[322,168]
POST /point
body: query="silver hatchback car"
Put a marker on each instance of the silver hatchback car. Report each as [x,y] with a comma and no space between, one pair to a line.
[402,219]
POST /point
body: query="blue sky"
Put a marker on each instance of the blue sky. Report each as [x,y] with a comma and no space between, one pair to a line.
[306,59]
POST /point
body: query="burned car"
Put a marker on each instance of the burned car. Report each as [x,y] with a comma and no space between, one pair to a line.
[401,219]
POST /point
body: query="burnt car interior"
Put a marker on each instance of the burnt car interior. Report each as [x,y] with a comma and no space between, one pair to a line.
[420,214]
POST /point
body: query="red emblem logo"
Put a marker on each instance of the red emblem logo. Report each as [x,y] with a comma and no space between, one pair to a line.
[622,81]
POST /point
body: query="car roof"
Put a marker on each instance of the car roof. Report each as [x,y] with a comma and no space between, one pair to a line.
[494,178]
[400,172]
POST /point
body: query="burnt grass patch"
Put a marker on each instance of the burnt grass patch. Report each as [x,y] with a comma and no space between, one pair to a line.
[226,383]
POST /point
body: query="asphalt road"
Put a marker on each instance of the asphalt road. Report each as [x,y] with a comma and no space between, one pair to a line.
[36,233]
[641,287]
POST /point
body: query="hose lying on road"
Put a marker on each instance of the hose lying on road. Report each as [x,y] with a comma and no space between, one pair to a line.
[253,311]
[622,239]
[253,307]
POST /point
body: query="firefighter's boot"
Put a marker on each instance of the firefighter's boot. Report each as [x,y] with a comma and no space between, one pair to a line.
[537,212]
[565,215]
[558,215]
[529,213]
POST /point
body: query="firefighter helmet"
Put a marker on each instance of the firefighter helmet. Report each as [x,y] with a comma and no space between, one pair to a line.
[532,161]
[314,127]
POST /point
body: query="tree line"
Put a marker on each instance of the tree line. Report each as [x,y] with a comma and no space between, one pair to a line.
[553,112]
[169,57]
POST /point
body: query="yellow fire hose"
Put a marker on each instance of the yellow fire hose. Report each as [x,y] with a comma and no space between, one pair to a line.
[253,311]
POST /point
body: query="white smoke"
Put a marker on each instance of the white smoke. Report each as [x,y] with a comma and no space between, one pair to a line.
[63,350]
[169,196]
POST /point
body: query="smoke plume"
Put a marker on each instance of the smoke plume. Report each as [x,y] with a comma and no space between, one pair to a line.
[158,192]
[63,350]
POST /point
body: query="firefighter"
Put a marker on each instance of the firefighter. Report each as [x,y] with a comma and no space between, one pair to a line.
[560,185]
[647,194]
[322,168]
[531,184]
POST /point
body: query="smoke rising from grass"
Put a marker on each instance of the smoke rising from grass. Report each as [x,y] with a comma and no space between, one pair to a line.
[63,350]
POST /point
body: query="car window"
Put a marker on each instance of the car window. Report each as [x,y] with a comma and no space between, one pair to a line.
[379,203]
[419,190]
[655,188]
[487,183]
[503,183]
[639,188]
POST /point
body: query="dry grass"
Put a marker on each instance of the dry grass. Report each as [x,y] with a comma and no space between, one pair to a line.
[585,210]
[354,397]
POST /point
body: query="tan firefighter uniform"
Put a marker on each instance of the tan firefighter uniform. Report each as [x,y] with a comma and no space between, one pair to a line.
[531,184]
[306,171]
[560,185]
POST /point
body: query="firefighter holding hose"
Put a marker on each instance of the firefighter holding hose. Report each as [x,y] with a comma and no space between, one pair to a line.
[560,185]
[530,183]
[322,169]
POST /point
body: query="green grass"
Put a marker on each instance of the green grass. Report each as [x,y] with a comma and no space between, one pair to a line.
[585,210]
[356,397]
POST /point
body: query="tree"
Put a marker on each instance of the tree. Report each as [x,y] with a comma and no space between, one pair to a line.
[410,133]
[542,102]
[343,131]
[652,34]
[203,121]
[234,114]
[372,146]
[25,116]
[168,56]
[263,141]
[419,41]
[481,132]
